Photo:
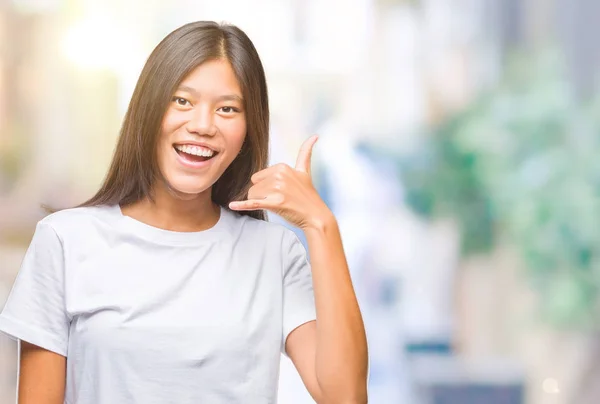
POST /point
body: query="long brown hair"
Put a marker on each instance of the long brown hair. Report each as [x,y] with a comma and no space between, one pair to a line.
[134,167]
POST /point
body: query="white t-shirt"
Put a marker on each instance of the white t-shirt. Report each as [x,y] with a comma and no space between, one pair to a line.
[146,315]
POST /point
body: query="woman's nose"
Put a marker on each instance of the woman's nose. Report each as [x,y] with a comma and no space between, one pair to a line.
[201,122]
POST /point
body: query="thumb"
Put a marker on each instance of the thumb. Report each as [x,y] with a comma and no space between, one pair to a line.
[305,154]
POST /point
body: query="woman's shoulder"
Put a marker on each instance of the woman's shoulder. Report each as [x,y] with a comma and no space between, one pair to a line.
[272,228]
[76,219]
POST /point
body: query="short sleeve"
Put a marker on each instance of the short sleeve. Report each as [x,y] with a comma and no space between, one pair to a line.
[298,295]
[35,309]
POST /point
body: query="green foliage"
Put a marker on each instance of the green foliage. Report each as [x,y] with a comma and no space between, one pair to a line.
[523,162]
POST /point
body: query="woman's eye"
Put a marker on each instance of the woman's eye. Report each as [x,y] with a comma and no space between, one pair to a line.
[228,110]
[180,101]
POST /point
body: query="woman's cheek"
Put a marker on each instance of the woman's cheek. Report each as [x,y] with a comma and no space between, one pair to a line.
[235,132]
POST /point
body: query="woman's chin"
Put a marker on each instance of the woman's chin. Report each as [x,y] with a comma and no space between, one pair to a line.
[186,190]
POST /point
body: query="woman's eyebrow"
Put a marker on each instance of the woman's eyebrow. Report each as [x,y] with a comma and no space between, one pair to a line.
[188,89]
[226,97]
[230,97]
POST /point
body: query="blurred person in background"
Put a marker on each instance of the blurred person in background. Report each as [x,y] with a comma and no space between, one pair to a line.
[169,285]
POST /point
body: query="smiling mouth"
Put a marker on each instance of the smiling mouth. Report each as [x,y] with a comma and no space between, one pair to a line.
[194,154]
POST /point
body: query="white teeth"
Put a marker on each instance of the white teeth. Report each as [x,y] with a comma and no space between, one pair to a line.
[195,150]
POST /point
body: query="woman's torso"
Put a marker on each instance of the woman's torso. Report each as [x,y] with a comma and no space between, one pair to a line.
[165,317]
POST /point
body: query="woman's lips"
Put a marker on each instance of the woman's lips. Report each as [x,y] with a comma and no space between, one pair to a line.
[191,161]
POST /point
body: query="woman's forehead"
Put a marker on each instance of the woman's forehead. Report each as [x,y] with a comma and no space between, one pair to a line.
[214,78]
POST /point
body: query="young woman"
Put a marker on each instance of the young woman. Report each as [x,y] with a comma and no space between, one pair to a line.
[169,286]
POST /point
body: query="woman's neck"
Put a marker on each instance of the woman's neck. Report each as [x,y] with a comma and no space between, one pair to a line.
[174,211]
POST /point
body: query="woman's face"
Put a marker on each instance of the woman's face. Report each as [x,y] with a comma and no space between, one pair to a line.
[203,129]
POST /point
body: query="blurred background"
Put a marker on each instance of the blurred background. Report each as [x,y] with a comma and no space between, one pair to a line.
[457,150]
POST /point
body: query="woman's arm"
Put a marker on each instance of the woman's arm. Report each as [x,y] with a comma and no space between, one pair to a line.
[42,376]
[331,355]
